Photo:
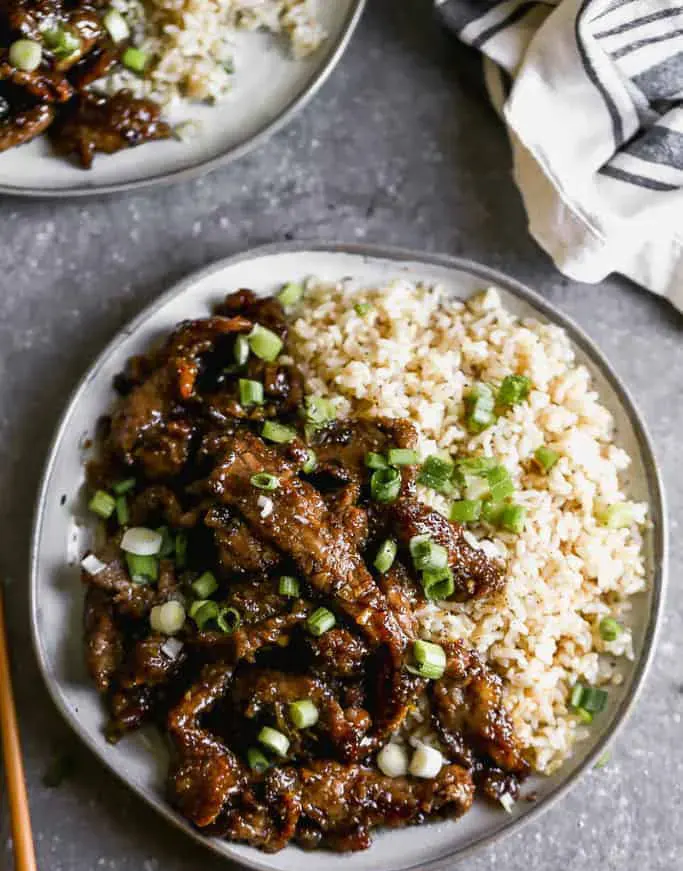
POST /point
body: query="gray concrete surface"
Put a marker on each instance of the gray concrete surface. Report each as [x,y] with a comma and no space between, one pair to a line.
[399,147]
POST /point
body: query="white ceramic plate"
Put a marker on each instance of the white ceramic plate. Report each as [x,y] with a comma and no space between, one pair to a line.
[141,760]
[270,87]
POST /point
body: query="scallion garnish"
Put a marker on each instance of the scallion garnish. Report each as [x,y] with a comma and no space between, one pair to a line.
[479,466]
[385,485]
[278,433]
[375,461]
[251,392]
[617,516]
[318,410]
[590,700]
[320,621]
[585,716]
[427,554]
[438,583]
[116,25]
[142,569]
[513,518]
[264,343]
[500,483]
[362,308]
[289,586]
[385,556]
[311,463]
[303,714]
[274,740]
[205,585]
[240,349]
[134,59]
[436,473]
[123,486]
[402,457]
[204,612]
[479,403]
[25,55]
[167,542]
[181,550]
[61,42]
[514,389]
[264,481]
[228,620]
[290,294]
[122,515]
[546,458]
[492,512]
[465,511]
[102,504]
[257,761]
[430,659]
[610,630]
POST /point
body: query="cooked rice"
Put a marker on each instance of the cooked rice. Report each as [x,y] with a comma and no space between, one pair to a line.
[413,356]
[191,43]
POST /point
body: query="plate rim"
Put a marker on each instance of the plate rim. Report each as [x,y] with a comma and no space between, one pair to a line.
[202,167]
[397,255]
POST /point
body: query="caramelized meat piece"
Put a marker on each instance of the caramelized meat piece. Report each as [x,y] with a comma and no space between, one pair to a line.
[475,575]
[264,310]
[257,600]
[238,549]
[265,695]
[344,802]
[337,653]
[130,709]
[301,526]
[134,600]
[103,638]
[107,124]
[206,775]
[469,712]
[148,664]
[158,505]
[24,125]
[45,85]
[403,595]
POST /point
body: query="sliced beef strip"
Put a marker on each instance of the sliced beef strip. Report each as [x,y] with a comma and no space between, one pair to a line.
[475,575]
[239,551]
[337,653]
[404,594]
[103,638]
[264,695]
[469,712]
[23,125]
[264,310]
[147,664]
[206,775]
[342,803]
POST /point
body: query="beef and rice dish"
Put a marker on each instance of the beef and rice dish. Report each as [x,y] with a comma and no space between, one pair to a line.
[268,582]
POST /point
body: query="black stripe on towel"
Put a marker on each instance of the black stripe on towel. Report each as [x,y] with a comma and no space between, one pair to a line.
[638,180]
[512,18]
[641,43]
[457,14]
[638,22]
[663,80]
[659,145]
[617,123]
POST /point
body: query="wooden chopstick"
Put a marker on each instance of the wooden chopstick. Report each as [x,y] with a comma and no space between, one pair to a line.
[24,853]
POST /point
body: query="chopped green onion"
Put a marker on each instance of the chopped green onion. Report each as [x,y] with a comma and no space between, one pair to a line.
[320,621]
[240,350]
[319,410]
[575,697]
[122,515]
[311,463]
[274,740]
[402,457]
[116,25]
[617,516]
[102,504]
[610,630]
[228,620]
[385,555]
[204,613]
[430,659]
[257,761]
[585,716]
[514,389]
[546,458]
[61,42]
[465,511]
[513,518]
[134,59]
[436,473]
[385,485]
[205,585]
[278,433]
[438,583]
[427,554]
[479,466]
[168,618]
[500,483]
[492,512]
[142,569]
[167,543]
[593,700]
[375,461]
[289,586]
[475,487]
[303,714]
[26,55]
[264,343]
[363,308]
[290,294]
[479,403]
[141,541]
[251,392]
[124,486]
[265,481]
[181,550]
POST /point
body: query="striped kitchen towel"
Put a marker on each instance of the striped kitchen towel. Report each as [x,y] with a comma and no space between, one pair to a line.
[591,92]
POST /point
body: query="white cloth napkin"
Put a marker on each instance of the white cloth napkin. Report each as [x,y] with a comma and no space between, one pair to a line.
[591,92]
